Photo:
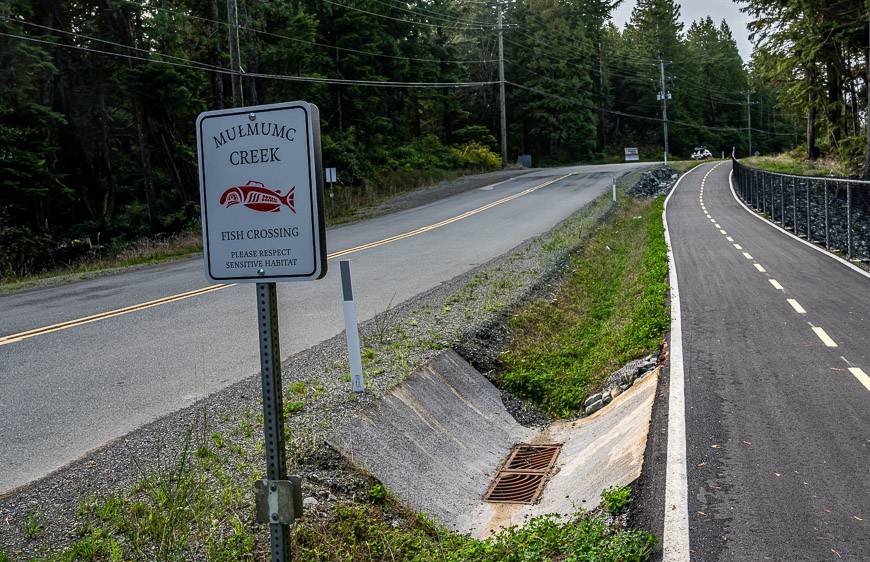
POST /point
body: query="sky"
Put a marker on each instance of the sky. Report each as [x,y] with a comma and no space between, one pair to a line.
[691,10]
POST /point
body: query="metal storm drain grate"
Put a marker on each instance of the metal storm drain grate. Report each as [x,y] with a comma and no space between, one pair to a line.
[522,477]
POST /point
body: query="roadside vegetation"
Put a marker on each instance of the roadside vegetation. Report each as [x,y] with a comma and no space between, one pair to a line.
[193,500]
[796,162]
[190,513]
[610,308]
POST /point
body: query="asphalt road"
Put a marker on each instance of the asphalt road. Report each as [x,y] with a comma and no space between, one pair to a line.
[777,419]
[69,390]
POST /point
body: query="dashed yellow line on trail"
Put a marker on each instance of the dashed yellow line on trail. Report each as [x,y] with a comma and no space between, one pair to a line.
[861,376]
[823,335]
[796,306]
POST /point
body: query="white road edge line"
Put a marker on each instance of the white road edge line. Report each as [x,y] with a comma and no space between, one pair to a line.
[675,539]
[847,263]
[796,306]
[748,256]
[861,376]
[776,284]
[823,335]
[761,269]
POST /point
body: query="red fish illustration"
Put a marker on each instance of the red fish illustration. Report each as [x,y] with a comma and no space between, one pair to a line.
[257,197]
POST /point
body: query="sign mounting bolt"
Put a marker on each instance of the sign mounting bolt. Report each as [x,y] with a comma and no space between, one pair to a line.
[261,272]
[252,116]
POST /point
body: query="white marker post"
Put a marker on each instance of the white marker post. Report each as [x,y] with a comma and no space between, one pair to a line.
[613,186]
[351,328]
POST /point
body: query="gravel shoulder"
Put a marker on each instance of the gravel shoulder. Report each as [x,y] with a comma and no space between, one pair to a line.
[224,428]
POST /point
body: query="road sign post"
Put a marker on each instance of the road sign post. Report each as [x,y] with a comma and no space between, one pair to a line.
[261,192]
[331,179]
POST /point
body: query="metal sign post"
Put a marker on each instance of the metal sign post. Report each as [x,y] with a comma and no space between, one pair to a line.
[273,417]
[331,179]
[261,193]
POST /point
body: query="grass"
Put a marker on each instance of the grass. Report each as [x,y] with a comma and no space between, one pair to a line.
[33,526]
[145,252]
[199,507]
[683,166]
[359,532]
[794,163]
[610,309]
[349,202]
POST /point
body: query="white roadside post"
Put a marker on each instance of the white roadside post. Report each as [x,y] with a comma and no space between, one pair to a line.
[613,186]
[351,328]
[261,193]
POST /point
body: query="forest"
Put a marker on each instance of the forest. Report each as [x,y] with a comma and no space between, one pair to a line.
[98,99]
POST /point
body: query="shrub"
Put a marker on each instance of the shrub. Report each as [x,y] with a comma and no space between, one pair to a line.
[476,155]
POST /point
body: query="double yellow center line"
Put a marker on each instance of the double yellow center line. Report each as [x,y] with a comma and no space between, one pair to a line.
[20,336]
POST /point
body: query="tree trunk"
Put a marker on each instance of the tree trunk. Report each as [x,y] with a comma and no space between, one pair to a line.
[833,105]
[811,114]
[867,84]
[125,31]
[602,138]
[108,204]
[217,79]
[253,58]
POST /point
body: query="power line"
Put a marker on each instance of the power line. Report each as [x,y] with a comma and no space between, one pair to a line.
[107,42]
[384,16]
[630,115]
[221,70]
[432,14]
[315,43]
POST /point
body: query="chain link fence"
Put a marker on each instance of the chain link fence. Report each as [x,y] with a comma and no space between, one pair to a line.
[832,212]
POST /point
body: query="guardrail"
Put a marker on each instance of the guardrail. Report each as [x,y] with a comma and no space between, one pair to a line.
[832,212]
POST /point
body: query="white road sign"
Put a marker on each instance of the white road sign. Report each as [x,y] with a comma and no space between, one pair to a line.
[330,175]
[631,155]
[261,192]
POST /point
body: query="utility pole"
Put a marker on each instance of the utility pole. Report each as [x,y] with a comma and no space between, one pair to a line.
[749,122]
[664,95]
[749,105]
[235,57]
[501,88]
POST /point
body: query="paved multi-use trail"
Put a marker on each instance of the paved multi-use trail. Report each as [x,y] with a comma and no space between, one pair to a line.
[774,372]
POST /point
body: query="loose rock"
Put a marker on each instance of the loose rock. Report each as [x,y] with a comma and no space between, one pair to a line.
[310,502]
[594,407]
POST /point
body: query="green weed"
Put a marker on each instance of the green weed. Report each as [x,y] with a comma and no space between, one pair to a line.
[33,525]
[616,499]
[293,407]
[611,308]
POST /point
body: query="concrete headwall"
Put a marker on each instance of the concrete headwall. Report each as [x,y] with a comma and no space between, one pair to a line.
[438,439]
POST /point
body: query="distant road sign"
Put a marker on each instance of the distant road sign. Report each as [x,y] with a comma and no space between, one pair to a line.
[631,155]
[331,176]
[261,192]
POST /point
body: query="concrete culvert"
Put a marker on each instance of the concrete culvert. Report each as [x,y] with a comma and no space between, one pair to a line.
[439,439]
